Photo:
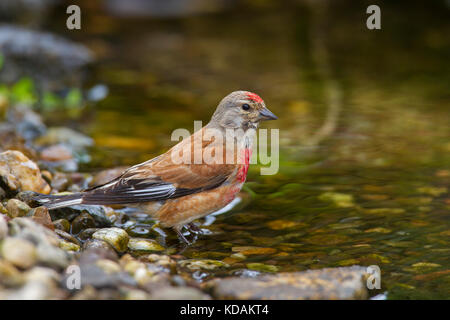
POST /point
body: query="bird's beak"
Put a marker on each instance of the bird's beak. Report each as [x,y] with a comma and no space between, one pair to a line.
[266,114]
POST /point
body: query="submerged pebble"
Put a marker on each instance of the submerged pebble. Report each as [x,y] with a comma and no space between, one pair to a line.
[144,245]
[116,237]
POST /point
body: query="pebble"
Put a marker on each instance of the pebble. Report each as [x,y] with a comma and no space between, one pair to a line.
[206,264]
[261,267]
[56,153]
[20,173]
[17,208]
[41,216]
[326,284]
[116,237]
[62,224]
[19,252]
[83,221]
[69,246]
[144,245]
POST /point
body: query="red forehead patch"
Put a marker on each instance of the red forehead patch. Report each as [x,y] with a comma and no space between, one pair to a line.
[254,97]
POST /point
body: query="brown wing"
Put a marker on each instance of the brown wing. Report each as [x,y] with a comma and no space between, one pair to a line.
[163,178]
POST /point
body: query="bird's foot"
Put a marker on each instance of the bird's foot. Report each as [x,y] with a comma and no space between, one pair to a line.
[182,237]
[193,228]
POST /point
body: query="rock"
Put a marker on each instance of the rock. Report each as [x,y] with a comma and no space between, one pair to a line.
[324,284]
[40,283]
[92,254]
[98,213]
[28,198]
[52,256]
[62,224]
[206,264]
[108,266]
[19,252]
[341,200]
[101,274]
[47,242]
[41,216]
[432,191]
[56,153]
[9,274]
[254,250]
[284,224]
[261,267]
[3,227]
[27,123]
[17,173]
[87,233]
[162,260]
[67,237]
[65,136]
[179,293]
[16,208]
[144,245]
[83,221]
[60,182]
[69,246]
[116,237]
[94,244]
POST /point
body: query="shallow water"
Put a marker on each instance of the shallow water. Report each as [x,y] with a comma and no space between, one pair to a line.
[373,190]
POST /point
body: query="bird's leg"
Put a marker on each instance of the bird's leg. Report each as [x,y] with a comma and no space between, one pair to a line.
[181,236]
[193,228]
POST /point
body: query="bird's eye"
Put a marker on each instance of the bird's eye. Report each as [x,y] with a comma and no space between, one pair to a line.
[245,107]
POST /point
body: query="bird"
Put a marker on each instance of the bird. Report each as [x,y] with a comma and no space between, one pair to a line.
[176,188]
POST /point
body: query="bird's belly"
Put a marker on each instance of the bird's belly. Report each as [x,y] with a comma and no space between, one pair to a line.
[180,211]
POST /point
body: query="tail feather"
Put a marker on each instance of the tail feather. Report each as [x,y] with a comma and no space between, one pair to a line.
[59,201]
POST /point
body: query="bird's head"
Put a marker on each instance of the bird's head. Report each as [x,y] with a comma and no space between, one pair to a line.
[241,109]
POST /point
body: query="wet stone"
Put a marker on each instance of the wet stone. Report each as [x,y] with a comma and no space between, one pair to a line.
[144,245]
[62,224]
[56,153]
[99,245]
[98,213]
[87,233]
[69,246]
[329,283]
[341,200]
[116,237]
[261,267]
[42,216]
[83,221]
[65,136]
[67,237]
[17,208]
[17,173]
[206,264]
